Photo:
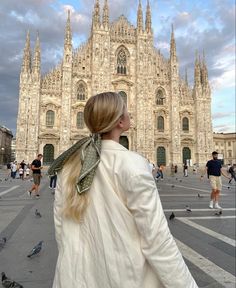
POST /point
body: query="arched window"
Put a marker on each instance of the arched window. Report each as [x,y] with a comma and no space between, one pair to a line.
[80,120]
[50,118]
[160,123]
[185,124]
[160,97]
[186,154]
[161,155]
[122,62]
[81,92]
[48,154]
[124,96]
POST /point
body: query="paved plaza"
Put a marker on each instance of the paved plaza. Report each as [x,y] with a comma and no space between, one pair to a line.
[206,240]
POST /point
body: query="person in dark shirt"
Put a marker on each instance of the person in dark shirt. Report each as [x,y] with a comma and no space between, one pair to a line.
[36,167]
[214,172]
[232,173]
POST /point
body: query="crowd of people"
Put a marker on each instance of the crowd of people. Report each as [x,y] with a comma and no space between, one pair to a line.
[18,170]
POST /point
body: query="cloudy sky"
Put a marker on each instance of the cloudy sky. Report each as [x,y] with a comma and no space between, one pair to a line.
[199,24]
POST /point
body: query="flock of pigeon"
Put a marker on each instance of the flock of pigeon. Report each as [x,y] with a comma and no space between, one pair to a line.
[7,282]
[188,209]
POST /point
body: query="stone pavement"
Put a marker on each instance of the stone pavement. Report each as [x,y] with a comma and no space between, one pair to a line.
[206,241]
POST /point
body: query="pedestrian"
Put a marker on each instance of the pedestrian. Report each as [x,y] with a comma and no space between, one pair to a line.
[110,226]
[172,170]
[214,172]
[23,165]
[158,174]
[21,173]
[36,167]
[185,170]
[161,169]
[232,173]
[176,169]
[27,172]
[13,169]
[53,182]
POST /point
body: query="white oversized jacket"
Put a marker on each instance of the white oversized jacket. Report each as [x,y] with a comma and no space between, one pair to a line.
[124,240]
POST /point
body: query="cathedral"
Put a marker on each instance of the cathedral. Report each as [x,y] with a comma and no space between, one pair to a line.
[170,121]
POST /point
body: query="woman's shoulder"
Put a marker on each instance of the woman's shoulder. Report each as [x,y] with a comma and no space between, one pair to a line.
[133,161]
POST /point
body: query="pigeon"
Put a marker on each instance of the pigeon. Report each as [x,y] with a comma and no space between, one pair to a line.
[8,283]
[172,216]
[37,213]
[172,186]
[180,180]
[188,208]
[3,241]
[199,196]
[218,213]
[36,250]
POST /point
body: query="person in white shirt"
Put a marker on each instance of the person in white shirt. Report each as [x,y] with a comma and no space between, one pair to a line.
[21,173]
[13,169]
[110,227]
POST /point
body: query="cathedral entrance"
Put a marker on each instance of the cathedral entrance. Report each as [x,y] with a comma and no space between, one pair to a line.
[186,154]
[124,141]
[161,155]
[48,154]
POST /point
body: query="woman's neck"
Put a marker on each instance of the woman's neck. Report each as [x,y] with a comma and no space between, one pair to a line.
[112,135]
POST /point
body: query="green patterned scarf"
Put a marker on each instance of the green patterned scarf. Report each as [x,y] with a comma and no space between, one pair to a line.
[90,150]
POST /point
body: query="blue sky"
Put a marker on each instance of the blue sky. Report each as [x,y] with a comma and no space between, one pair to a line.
[208,25]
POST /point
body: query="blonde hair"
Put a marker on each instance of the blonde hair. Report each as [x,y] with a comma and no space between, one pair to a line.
[101,114]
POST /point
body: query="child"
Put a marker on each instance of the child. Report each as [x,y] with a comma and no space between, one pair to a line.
[21,173]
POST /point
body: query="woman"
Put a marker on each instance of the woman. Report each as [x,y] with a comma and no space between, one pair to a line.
[110,227]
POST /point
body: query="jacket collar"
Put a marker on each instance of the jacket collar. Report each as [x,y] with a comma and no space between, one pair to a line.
[112,145]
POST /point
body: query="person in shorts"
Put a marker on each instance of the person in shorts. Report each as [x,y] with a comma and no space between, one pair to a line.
[36,167]
[214,172]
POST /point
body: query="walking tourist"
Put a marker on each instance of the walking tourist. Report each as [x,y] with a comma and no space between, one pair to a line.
[36,167]
[214,172]
[53,182]
[110,226]
[21,173]
[232,173]
[176,169]
[13,169]
[23,166]
[185,170]
[172,170]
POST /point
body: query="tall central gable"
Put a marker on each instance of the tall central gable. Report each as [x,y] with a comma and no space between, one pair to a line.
[123,31]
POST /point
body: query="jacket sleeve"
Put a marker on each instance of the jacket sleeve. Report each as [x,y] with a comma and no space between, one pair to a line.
[57,210]
[157,243]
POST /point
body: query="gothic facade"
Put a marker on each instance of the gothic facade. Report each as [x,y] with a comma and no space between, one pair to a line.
[170,121]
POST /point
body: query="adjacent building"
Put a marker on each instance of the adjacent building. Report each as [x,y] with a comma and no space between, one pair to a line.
[170,121]
[225,145]
[5,145]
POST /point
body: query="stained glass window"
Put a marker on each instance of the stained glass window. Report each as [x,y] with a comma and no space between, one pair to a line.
[185,124]
[81,92]
[50,118]
[80,120]
[121,62]
[160,123]
[160,97]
